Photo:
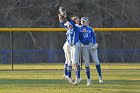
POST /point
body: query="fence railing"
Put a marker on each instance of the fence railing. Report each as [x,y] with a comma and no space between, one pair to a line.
[8,54]
[63,29]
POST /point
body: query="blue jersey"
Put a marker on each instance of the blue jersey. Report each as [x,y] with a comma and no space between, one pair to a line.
[87,35]
[72,34]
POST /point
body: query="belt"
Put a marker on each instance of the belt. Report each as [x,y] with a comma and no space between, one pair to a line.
[71,44]
[86,43]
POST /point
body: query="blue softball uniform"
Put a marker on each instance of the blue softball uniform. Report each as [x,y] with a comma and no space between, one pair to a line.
[87,35]
[72,34]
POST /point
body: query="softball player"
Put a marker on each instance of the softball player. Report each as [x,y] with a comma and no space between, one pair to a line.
[67,51]
[77,25]
[89,47]
[73,44]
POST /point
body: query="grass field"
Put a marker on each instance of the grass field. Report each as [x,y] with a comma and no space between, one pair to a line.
[37,78]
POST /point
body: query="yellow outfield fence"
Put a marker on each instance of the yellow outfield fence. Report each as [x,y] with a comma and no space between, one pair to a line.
[63,29]
[36,51]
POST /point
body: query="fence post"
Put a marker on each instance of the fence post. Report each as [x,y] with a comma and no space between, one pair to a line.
[11,48]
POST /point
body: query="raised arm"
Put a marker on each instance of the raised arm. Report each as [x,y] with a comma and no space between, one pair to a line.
[64,14]
[61,21]
[71,21]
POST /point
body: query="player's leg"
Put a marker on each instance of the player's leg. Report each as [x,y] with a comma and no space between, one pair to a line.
[69,64]
[98,66]
[75,61]
[85,55]
[66,49]
[69,69]
[66,60]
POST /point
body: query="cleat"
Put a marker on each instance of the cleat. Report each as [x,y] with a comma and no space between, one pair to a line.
[69,79]
[78,80]
[100,80]
[88,82]
[64,76]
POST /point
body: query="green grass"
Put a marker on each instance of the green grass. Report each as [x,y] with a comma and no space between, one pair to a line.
[118,78]
[46,66]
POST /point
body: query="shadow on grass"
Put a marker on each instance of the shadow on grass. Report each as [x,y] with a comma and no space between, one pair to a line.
[31,81]
[62,81]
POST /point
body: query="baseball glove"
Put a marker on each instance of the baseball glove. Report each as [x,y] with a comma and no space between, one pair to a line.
[94,47]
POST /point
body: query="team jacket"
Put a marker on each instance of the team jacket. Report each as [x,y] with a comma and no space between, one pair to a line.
[87,35]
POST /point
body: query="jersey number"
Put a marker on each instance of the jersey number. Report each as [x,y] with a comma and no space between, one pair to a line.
[85,35]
